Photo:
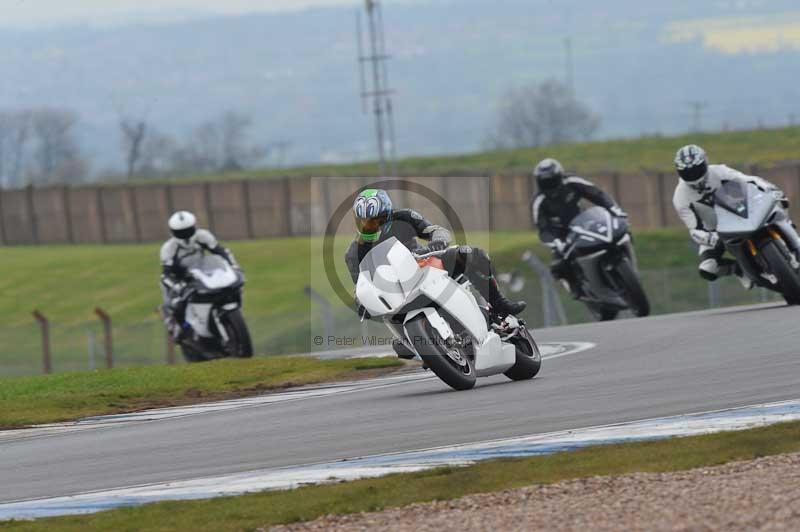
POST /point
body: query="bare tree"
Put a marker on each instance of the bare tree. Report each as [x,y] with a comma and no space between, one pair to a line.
[537,115]
[18,146]
[220,144]
[234,128]
[14,133]
[56,154]
[156,151]
[134,133]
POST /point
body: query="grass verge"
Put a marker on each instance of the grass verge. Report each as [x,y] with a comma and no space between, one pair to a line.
[248,512]
[68,396]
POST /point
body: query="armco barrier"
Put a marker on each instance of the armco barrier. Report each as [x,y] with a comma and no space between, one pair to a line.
[240,210]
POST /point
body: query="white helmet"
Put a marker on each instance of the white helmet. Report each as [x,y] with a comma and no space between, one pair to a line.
[183,225]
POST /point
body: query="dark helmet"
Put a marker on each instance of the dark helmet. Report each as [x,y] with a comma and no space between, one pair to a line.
[549,176]
[692,164]
[183,225]
[373,212]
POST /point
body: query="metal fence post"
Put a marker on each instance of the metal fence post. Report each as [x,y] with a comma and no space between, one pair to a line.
[107,339]
[713,294]
[44,323]
[90,347]
[170,350]
[325,307]
[169,342]
[552,309]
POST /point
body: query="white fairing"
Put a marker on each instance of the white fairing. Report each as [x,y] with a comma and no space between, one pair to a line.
[494,356]
[391,282]
[198,315]
[213,273]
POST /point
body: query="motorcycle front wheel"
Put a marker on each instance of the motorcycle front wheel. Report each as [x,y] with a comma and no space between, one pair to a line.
[633,292]
[450,364]
[781,267]
[239,344]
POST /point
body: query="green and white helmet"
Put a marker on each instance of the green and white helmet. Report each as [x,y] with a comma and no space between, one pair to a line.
[373,213]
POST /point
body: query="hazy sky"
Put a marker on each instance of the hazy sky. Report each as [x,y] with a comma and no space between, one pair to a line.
[37,13]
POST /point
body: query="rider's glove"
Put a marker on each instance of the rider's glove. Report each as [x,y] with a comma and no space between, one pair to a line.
[705,238]
[558,246]
[780,196]
[438,245]
[616,211]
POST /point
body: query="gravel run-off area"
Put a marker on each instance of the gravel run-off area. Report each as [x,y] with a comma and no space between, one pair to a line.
[762,494]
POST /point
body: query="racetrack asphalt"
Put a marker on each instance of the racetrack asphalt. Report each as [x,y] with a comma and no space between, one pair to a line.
[640,368]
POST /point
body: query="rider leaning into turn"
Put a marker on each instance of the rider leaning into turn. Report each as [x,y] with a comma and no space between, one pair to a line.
[555,205]
[377,221]
[187,243]
[694,202]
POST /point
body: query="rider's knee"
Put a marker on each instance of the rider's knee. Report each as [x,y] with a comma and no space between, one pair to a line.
[709,269]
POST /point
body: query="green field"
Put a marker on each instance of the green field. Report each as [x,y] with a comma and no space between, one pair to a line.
[738,148]
[257,510]
[68,282]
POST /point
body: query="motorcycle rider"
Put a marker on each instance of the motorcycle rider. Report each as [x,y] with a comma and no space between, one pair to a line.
[694,202]
[188,243]
[553,208]
[377,221]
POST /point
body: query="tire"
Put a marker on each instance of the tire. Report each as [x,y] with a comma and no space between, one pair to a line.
[788,278]
[430,347]
[602,312]
[634,293]
[529,360]
[190,354]
[236,328]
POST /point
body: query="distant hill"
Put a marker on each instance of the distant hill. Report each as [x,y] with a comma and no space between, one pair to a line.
[740,149]
[638,64]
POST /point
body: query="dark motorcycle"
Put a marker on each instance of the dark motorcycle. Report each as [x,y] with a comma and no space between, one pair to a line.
[600,253]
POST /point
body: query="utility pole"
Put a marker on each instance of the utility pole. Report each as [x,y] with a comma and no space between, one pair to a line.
[277,151]
[697,115]
[379,94]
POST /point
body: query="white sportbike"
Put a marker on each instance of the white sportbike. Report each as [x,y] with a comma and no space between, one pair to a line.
[214,312]
[441,320]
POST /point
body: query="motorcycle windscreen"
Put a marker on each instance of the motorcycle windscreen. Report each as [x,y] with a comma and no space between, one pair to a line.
[387,274]
[741,207]
[213,272]
[596,222]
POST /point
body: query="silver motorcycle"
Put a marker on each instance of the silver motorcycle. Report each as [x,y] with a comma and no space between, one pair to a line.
[755,227]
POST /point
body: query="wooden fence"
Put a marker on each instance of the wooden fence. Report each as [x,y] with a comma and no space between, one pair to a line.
[240,210]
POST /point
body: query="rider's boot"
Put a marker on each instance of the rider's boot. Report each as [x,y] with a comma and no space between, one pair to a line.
[500,303]
[731,267]
[176,322]
[747,283]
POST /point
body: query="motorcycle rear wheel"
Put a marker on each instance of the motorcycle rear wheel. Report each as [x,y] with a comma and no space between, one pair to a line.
[190,354]
[434,353]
